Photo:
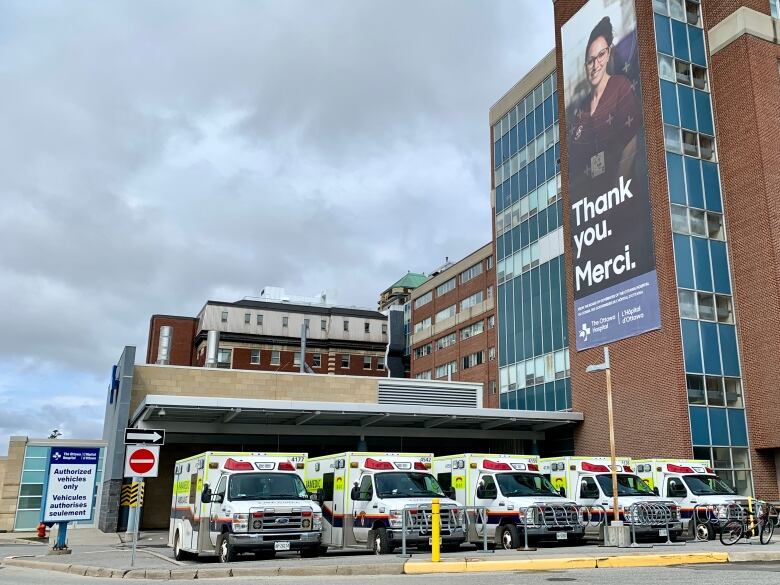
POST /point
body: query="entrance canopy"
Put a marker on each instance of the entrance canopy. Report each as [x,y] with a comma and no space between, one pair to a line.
[207,415]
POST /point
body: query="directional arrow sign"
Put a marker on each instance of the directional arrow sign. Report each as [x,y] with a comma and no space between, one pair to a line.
[144,437]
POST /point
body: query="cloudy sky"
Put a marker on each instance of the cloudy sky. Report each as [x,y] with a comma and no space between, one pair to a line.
[156,154]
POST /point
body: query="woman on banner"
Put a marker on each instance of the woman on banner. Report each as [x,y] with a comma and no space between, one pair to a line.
[603,134]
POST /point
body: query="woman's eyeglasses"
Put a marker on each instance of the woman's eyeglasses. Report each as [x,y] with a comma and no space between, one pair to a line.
[602,54]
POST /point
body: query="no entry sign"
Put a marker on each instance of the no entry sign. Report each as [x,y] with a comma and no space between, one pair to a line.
[142,460]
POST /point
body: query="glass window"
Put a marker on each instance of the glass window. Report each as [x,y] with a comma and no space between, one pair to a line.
[346,324]
[710,348]
[297,358]
[711,186]
[254,357]
[730,354]
[701,264]
[663,34]
[733,388]
[366,362]
[666,67]
[720,263]
[700,434]
[698,52]
[247,318]
[698,223]
[690,143]
[285,321]
[740,458]
[323,324]
[680,40]
[380,362]
[742,483]
[715,391]
[687,300]
[672,140]
[674,168]
[706,306]
[446,287]
[680,219]
[682,72]
[424,299]
[446,313]
[669,103]
[774,6]
[703,112]
[721,457]
[677,9]
[718,426]
[715,226]
[695,389]
[224,358]
[316,360]
[724,309]
[345,360]
[691,347]
[224,316]
[682,260]
[276,357]
[693,182]
[737,427]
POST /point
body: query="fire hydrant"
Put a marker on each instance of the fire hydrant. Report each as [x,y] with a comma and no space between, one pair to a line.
[41,530]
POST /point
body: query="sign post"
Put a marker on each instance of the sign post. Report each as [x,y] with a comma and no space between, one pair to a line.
[70,488]
[141,460]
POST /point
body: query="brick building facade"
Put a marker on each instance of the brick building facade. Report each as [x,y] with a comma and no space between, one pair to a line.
[453,324]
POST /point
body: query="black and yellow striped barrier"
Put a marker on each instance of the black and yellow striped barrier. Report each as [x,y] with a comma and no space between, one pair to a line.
[132,495]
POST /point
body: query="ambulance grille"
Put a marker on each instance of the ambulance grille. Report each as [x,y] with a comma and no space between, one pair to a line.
[421,521]
[278,520]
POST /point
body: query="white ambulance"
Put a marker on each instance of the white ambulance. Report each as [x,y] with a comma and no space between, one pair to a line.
[693,486]
[365,497]
[588,481]
[512,489]
[228,503]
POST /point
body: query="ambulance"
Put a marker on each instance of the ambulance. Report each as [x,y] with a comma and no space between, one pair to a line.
[692,485]
[512,489]
[365,498]
[588,481]
[226,503]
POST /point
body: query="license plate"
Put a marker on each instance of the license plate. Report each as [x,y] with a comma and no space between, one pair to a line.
[663,532]
[561,535]
[281,546]
[430,540]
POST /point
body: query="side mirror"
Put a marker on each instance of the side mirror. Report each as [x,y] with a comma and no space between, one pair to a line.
[655,491]
[315,497]
[450,493]
[205,496]
[354,494]
[481,492]
[218,498]
[562,492]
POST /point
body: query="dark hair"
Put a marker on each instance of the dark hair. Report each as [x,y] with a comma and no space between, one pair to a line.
[602,29]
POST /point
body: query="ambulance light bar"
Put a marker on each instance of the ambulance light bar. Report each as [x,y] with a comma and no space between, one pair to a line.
[519,466]
[678,468]
[403,464]
[594,467]
[233,465]
[286,466]
[533,467]
[709,470]
[264,465]
[495,466]
[420,466]
[627,469]
[378,465]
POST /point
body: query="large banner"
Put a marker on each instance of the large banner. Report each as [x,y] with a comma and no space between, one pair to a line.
[615,282]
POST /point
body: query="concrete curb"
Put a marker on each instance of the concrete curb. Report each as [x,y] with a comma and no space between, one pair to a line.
[562,563]
[194,572]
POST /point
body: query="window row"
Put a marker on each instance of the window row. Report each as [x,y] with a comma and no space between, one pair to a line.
[682,72]
[679,40]
[533,307]
[472,330]
[525,106]
[537,370]
[475,299]
[714,391]
[446,341]
[550,396]
[693,182]
[473,360]
[526,130]
[705,306]
[697,222]
[307,322]
[314,360]
[421,325]
[450,339]
[445,287]
[526,206]
[723,427]
[426,375]
[446,313]
[689,108]
[528,233]
[710,348]
[701,264]
[688,142]
[528,154]
[423,300]
[445,370]
[471,272]
[683,10]
[539,170]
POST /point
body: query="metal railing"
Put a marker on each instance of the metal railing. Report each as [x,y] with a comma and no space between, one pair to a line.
[416,519]
[749,514]
[652,514]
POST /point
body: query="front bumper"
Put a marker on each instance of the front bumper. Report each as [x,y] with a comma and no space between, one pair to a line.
[551,532]
[454,536]
[266,540]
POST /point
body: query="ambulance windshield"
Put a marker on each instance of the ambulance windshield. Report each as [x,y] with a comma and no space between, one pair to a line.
[525,484]
[407,485]
[708,485]
[266,486]
[628,485]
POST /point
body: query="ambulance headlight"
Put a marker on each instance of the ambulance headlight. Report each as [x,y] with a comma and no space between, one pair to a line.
[316,521]
[395,518]
[240,522]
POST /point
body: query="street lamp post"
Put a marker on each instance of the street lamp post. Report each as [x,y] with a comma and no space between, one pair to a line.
[613,467]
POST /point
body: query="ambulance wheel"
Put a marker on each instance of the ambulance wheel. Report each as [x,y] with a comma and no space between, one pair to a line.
[380,541]
[226,551]
[703,531]
[178,554]
[509,537]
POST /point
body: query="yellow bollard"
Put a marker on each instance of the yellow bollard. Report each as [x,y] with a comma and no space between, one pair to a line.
[435,532]
[751,518]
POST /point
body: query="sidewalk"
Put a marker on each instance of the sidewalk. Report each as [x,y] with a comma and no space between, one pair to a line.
[154,560]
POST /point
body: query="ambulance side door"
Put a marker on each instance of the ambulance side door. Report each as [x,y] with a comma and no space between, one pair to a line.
[485,494]
[676,490]
[588,494]
[217,512]
[361,508]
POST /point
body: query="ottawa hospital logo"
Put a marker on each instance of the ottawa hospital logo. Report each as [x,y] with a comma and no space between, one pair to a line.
[584,332]
[57,456]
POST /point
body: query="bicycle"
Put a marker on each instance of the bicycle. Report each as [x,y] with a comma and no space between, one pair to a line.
[759,522]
